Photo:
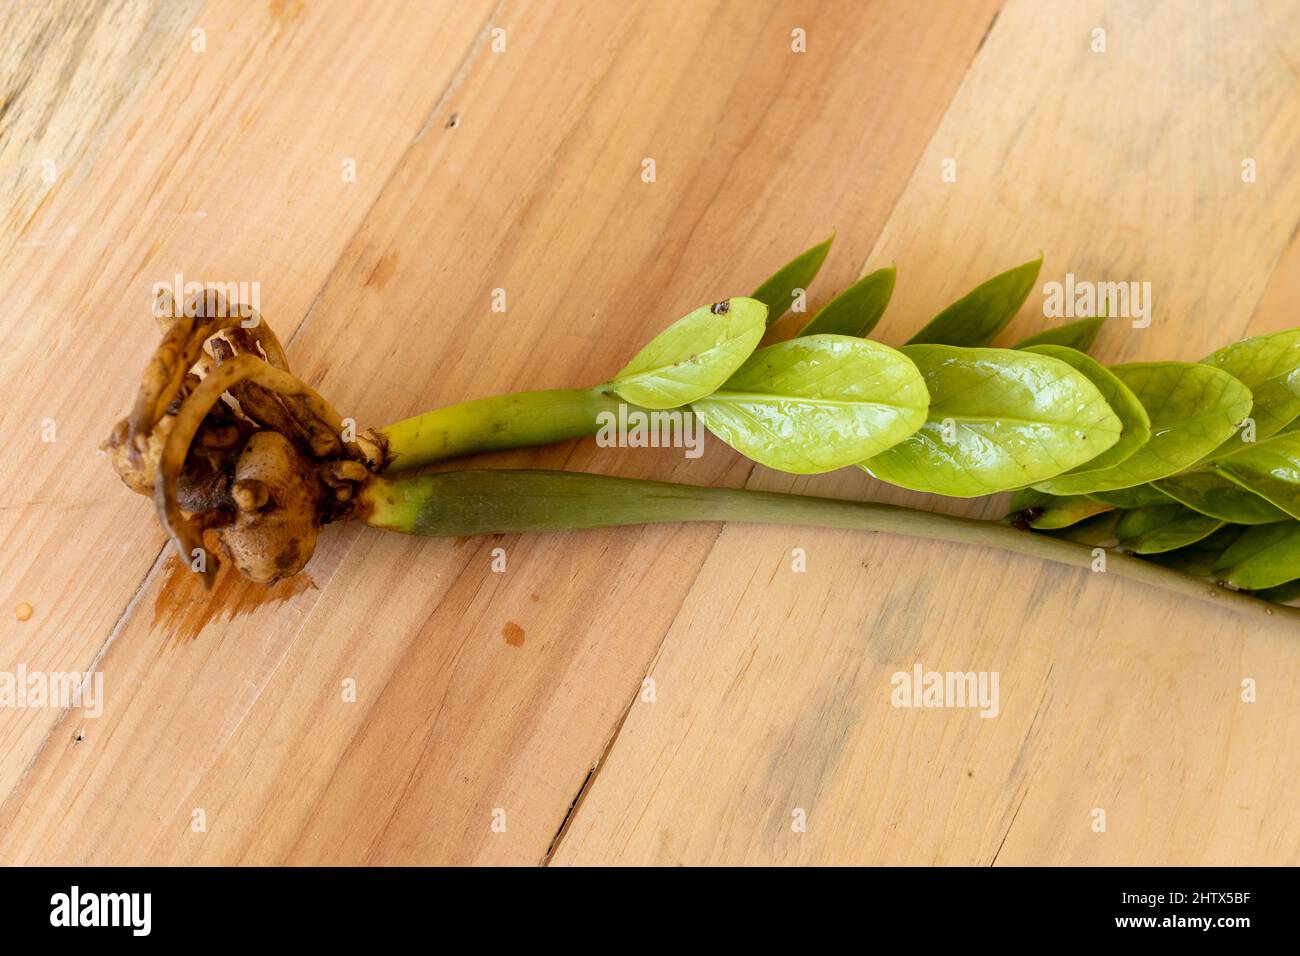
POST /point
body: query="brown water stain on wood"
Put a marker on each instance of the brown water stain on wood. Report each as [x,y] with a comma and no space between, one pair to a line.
[183,608]
[383,271]
[513,633]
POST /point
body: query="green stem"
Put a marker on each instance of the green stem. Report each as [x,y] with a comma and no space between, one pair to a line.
[500,422]
[457,503]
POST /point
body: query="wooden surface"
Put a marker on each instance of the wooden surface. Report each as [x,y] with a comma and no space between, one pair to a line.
[520,696]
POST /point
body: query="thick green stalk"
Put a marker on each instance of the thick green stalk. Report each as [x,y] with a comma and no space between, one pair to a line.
[458,503]
[500,422]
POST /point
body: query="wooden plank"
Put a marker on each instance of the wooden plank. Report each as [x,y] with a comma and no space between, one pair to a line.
[478,691]
[225,166]
[774,697]
[69,70]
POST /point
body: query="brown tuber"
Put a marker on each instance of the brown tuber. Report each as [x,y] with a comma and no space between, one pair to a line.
[225,439]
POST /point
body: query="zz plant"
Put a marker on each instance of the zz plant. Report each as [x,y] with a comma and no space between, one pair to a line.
[1188,472]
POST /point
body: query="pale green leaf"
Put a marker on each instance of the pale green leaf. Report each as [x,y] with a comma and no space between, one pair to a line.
[1192,408]
[1122,401]
[693,356]
[1269,469]
[817,403]
[1269,365]
[999,420]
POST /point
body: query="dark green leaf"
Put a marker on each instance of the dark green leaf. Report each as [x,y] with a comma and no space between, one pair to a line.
[1212,494]
[1097,531]
[1077,335]
[1198,559]
[1163,528]
[1142,496]
[778,292]
[857,309]
[980,314]
[1282,594]
[1263,557]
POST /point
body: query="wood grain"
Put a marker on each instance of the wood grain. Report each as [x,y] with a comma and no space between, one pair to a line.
[1119,165]
[224,167]
[476,691]
[401,697]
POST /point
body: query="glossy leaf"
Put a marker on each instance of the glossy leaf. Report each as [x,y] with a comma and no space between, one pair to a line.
[857,309]
[1122,401]
[1076,335]
[999,420]
[1142,496]
[1033,509]
[979,315]
[693,356]
[1264,556]
[1269,365]
[1198,559]
[1270,469]
[1096,532]
[1193,409]
[778,292]
[1212,494]
[1163,528]
[817,403]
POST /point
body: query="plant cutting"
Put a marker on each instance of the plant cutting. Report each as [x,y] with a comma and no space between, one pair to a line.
[1184,475]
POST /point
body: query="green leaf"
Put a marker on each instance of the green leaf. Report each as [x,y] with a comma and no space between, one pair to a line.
[1269,365]
[778,292]
[693,356]
[1163,528]
[1033,509]
[817,403]
[1282,594]
[1120,398]
[1192,408]
[1142,496]
[1096,532]
[1198,559]
[1076,335]
[999,420]
[1270,469]
[1264,556]
[980,314]
[1212,494]
[857,309]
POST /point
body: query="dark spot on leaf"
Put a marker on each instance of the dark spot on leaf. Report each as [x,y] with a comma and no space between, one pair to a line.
[721,308]
[1024,520]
